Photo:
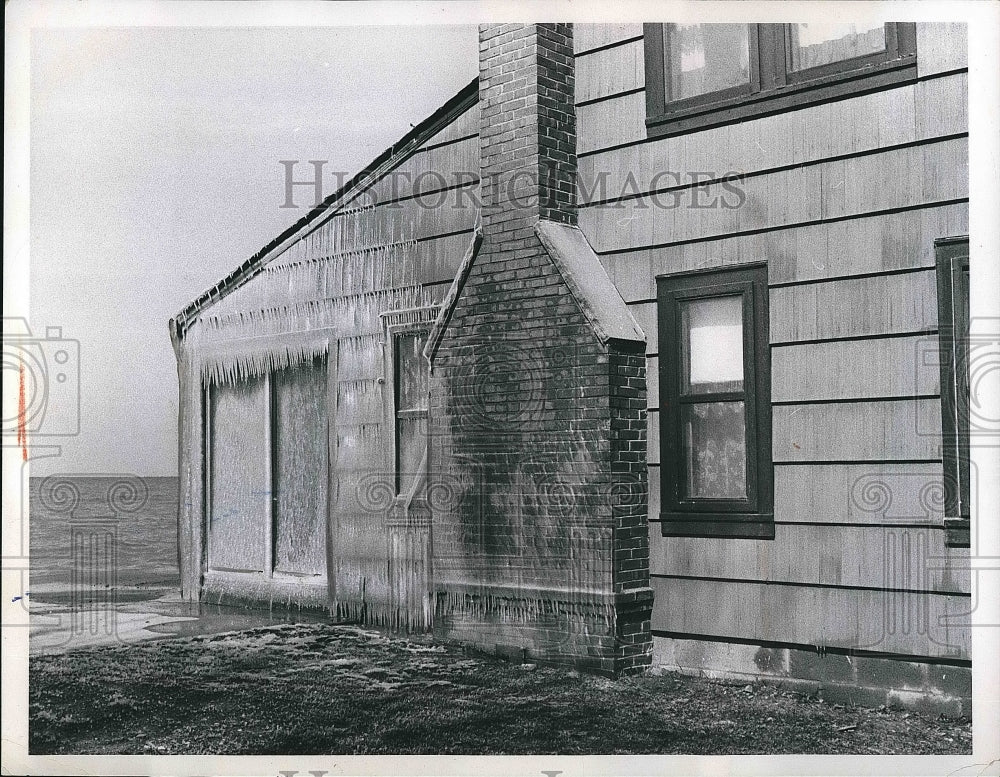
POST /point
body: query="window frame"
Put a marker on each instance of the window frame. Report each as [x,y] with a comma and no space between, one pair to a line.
[952,258]
[393,333]
[752,517]
[778,88]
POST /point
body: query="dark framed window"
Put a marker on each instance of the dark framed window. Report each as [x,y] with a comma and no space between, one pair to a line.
[410,405]
[702,75]
[715,413]
[953,334]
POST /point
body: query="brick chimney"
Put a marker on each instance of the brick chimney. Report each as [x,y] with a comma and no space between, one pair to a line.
[537,420]
[527,133]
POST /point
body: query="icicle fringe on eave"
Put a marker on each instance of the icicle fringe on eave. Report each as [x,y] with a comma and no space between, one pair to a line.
[232,362]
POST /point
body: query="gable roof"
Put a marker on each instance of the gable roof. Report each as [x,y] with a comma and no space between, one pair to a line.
[392,157]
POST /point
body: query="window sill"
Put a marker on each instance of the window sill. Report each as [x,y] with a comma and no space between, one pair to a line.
[789,97]
[957,532]
[751,526]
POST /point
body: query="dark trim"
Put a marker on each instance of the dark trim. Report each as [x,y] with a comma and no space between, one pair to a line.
[947,241]
[743,176]
[399,151]
[787,284]
[853,276]
[854,461]
[466,231]
[794,584]
[958,532]
[604,47]
[654,139]
[444,143]
[773,87]
[684,515]
[928,524]
[851,338]
[779,227]
[952,257]
[602,98]
[852,400]
[829,400]
[756,526]
[820,649]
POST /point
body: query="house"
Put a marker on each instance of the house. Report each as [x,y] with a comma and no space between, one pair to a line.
[644,350]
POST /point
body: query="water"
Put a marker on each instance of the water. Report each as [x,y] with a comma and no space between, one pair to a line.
[100,575]
[144,541]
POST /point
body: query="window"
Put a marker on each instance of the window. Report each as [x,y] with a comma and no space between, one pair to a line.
[953,328]
[715,412]
[409,407]
[701,75]
[267,469]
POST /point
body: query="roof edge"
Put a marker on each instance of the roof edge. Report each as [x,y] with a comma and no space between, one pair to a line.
[436,334]
[399,151]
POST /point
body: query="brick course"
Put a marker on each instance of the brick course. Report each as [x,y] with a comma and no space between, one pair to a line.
[537,429]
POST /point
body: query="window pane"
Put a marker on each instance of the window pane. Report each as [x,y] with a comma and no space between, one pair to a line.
[703,58]
[241,491]
[412,441]
[712,344]
[812,45]
[411,372]
[715,450]
[299,466]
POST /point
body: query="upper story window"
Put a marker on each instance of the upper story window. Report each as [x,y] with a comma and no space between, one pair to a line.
[702,75]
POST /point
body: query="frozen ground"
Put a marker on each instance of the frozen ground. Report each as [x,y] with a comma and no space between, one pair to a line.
[311,688]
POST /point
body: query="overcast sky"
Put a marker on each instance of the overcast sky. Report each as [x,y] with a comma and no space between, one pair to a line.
[155,170]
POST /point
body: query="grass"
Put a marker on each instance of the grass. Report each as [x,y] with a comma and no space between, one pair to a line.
[316,688]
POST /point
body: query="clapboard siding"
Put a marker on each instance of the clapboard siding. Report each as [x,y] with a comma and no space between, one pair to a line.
[438,168]
[465,124]
[872,493]
[645,316]
[610,71]
[843,201]
[854,307]
[653,381]
[941,47]
[874,305]
[896,179]
[611,122]
[653,437]
[843,369]
[869,244]
[869,557]
[919,111]
[890,622]
[592,36]
[876,430]
[855,369]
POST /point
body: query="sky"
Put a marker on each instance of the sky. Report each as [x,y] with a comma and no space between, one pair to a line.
[154,171]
